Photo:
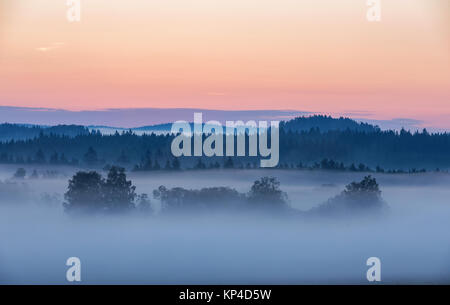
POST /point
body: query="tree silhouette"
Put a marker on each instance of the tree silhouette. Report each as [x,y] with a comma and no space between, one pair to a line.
[39,157]
[200,164]
[63,159]
[368,185]
[85,192]
[34,175]
[267,191]
[20,173]
[228,163]
[144,205]
[54,159]
[90,157]
[167,166]
[88,191]
[123,158]
[156,166]
[178,198]
[119,193]
[176,164]
[358,197]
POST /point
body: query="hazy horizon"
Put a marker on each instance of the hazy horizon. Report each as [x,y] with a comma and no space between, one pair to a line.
[138,117]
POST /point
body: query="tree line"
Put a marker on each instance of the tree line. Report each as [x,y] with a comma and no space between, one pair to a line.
[88,192]
[372,148]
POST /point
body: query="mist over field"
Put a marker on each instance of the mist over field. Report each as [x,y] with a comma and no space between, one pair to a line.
[411,239]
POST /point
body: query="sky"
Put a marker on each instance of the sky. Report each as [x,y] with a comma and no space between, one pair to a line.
[319,56]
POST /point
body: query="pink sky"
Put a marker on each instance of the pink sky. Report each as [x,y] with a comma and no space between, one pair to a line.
[319,56]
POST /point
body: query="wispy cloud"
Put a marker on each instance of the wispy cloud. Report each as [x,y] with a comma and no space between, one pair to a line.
[53,46]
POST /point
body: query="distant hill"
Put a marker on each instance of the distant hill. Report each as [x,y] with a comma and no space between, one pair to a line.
[326,123]
[305,123]
[157,129]
[24,131]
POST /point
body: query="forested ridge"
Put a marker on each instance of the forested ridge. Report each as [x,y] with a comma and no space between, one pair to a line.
[23,132]
[355,148]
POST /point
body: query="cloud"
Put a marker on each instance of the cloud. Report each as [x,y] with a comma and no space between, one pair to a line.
[53,46]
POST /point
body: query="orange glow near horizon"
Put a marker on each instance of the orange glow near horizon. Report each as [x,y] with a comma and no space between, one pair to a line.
[313,55]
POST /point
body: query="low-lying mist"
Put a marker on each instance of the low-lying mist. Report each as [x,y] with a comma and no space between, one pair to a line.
[411,239]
